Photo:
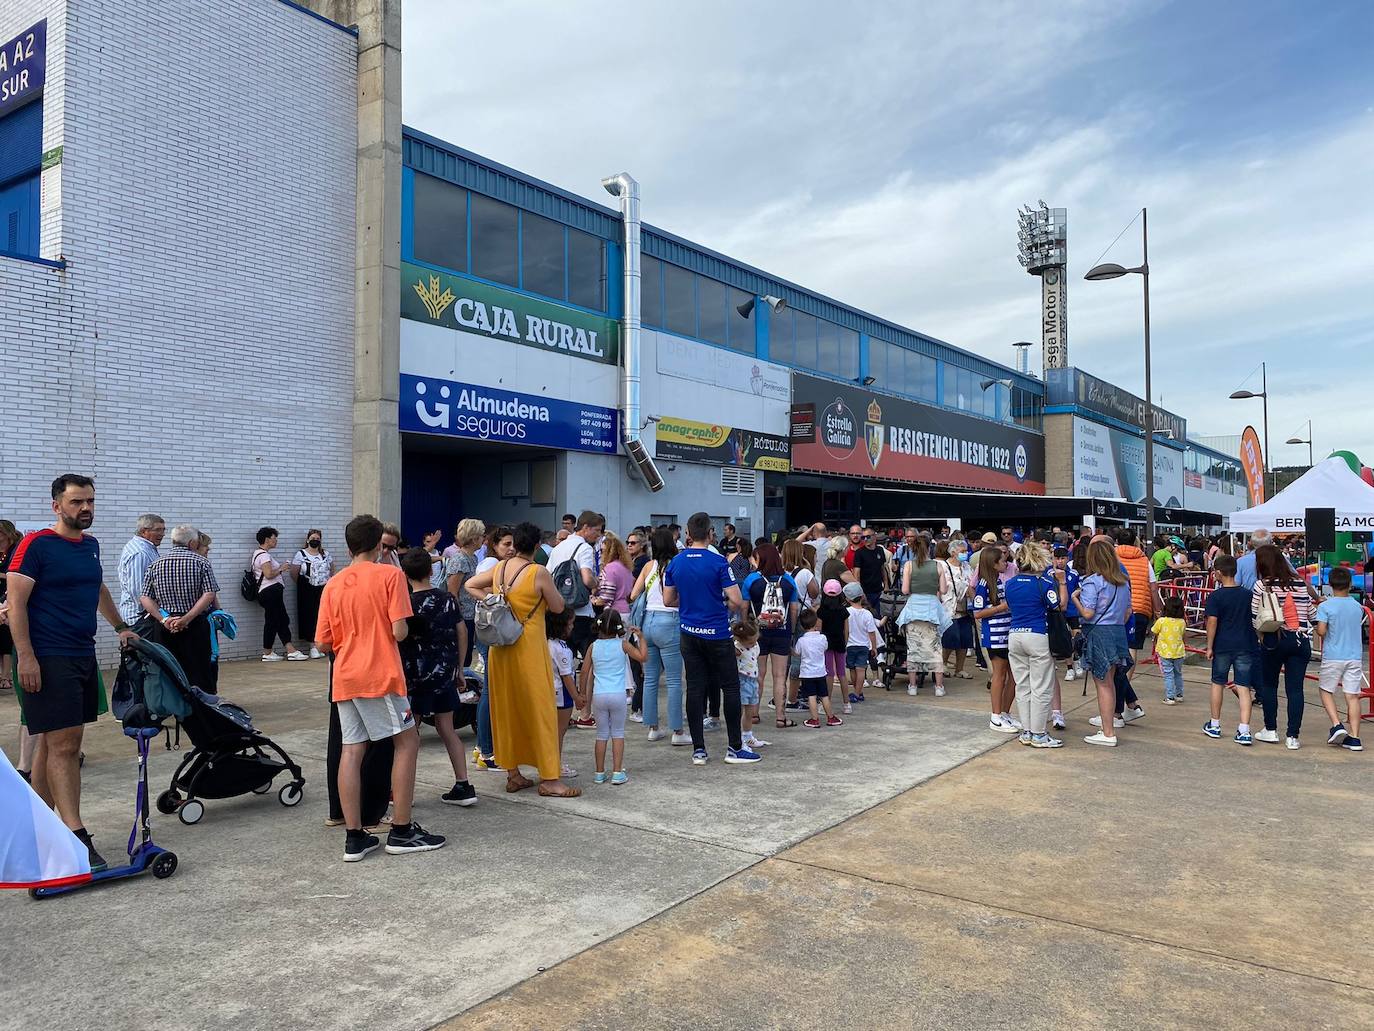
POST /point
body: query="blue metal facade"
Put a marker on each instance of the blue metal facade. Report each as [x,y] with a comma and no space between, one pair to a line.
[431,156]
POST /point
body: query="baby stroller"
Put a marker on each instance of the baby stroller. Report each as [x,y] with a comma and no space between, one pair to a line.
[230,756]
[892,638]
[466,713]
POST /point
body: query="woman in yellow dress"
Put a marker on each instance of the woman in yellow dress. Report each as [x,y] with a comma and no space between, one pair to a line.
[524,720]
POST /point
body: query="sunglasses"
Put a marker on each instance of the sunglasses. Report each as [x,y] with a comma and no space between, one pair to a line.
[389,547]
[633,540]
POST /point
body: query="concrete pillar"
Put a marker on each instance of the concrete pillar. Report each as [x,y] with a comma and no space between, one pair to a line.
[377,266]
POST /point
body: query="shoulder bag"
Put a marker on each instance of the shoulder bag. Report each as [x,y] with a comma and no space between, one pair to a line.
[639,608]
[495,621]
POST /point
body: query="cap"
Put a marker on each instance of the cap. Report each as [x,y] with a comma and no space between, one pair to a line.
[1177,542]
[832,588]
[989,538]
[853,592]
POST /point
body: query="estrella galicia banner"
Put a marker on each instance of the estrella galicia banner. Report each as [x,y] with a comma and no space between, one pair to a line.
[430,405]
[879,437]
[23,67]
[683,440]
[456,302]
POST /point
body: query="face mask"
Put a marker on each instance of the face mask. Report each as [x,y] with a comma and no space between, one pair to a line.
[314,544]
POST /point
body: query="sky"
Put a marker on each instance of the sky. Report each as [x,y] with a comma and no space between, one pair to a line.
[878,153]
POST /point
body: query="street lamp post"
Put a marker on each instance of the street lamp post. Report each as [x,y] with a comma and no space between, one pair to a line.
[1113,271]
[1241,395]
[1305,440]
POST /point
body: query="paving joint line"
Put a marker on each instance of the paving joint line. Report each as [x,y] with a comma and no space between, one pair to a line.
[1129,936]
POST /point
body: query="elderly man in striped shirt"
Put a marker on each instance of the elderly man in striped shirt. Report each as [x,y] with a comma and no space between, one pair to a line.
[178,593]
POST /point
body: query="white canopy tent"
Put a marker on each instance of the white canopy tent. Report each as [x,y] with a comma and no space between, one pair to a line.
[1328,484]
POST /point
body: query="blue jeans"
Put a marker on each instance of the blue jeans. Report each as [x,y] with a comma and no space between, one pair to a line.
[484,742]
[665,657]
[1172,670]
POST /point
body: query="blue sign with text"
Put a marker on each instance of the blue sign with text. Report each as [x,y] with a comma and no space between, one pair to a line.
[430,405]
[23,67]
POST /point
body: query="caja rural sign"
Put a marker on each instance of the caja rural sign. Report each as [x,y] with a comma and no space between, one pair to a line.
[684,440]
[861,433]
[463,304]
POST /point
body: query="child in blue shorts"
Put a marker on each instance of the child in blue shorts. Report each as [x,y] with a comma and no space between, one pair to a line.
[1232,646]
[815,687]
[746,635]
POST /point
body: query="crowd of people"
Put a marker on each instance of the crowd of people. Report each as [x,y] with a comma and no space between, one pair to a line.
[547,633]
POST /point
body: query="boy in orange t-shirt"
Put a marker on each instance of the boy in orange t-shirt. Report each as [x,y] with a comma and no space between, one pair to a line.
[363,613]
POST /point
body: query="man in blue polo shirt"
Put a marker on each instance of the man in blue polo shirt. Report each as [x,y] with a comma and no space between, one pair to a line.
[699,584]
[56,586]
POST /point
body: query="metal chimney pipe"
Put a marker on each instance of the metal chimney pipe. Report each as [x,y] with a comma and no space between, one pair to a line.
[626,189]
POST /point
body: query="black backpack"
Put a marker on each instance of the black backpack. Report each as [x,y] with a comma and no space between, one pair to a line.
[251,581]
[567,578]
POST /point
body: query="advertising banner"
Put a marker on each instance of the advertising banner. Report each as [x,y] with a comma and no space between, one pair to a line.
[23,67]
[1075,387]
[455,302]
[1054,316]
[1252,461]
[745,374]
[683,440]
[430,405]
[1110,463]
[858,432]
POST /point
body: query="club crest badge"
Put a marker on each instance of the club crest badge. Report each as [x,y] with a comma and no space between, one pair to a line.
[873,433]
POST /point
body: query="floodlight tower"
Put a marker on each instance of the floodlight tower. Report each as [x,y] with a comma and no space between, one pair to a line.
[1043,237]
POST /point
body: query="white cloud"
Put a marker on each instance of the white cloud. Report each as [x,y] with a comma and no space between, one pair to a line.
[880,159]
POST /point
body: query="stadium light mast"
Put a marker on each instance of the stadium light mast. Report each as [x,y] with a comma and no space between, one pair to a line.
[1043,250]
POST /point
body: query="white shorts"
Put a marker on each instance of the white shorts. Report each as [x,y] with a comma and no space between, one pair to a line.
[374,719]
[1342,674]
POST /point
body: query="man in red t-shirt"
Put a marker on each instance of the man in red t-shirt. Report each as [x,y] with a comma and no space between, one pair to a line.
[856,541]
[363,615]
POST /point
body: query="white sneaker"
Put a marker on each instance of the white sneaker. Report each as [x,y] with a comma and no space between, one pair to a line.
[1131,715]
[1117,721]
[315,653]
[680,738]
[939,690]
[1269,737]
[1057,720]
[848,708]
[911,690]
[1011,720]
[636,717]
[568,773]
[1100,739]
[1045,742]
[756,742]
[1292,743]
[657,734]
[1069,675]
[271,657]
[710,723]
[998,724]
[297,657]
[1078,669]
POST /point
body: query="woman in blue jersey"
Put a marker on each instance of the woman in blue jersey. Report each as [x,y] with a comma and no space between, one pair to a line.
[1030,594]
[994,619]
[1104,605]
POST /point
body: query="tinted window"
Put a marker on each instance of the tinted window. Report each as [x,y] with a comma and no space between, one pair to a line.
[828,348]
[780,339]
[541,255]
[849,353]
[679,301]
[494,241]
[711,310]
[587,270]
[439,222]
[741,326]
[804,351]
[651,292]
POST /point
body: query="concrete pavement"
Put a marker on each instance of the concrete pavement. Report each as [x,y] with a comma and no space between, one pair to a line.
[911,869]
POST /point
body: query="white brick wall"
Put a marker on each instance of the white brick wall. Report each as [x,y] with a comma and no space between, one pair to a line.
[196,357]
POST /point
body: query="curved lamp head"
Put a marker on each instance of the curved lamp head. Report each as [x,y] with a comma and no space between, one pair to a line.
[1297,440]
[1241,395]
[1108,271]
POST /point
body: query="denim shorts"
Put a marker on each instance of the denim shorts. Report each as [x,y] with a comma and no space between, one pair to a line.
[856,656]
[748,690]
[1107,646]
[1241,665]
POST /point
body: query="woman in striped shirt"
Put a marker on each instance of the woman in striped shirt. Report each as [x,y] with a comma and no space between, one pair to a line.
[1286,650]
[991,611]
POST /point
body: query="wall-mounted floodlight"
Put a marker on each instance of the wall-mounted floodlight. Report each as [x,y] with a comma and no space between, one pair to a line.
[747,308]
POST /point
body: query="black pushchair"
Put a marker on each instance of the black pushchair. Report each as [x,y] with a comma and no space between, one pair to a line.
[229,757]
[892,656]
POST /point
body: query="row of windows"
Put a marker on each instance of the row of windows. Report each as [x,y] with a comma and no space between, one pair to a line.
[470,233]
[1225,470]
[682,302]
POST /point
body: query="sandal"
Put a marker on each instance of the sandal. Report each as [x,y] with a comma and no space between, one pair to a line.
[784,724]
[567,792]
[518,783]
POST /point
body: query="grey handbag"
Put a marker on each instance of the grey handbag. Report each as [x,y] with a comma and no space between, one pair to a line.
[495,621]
